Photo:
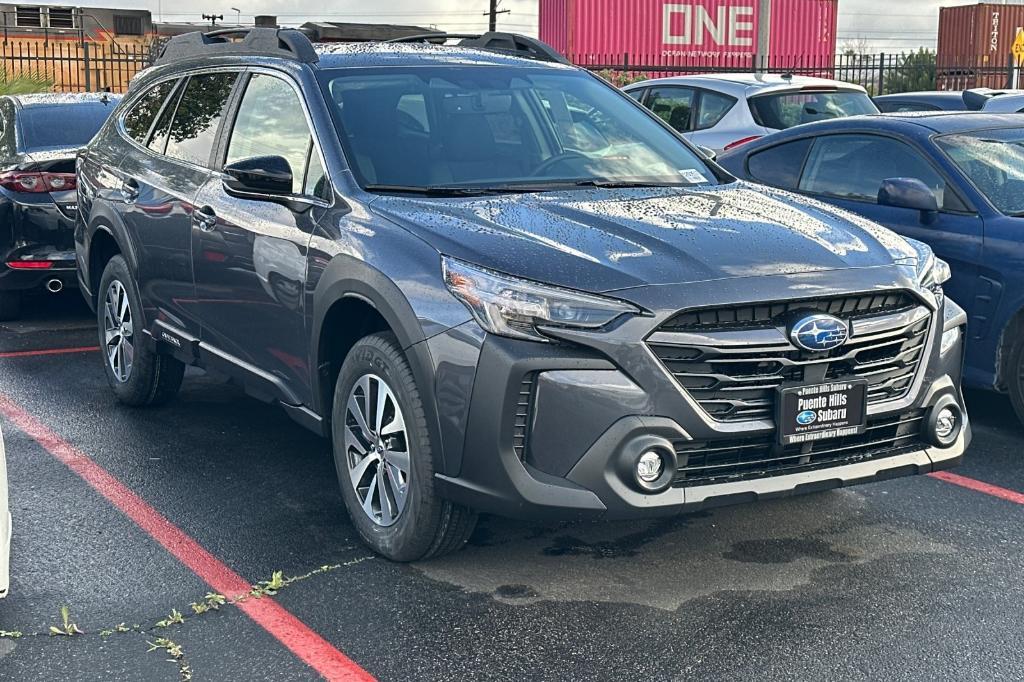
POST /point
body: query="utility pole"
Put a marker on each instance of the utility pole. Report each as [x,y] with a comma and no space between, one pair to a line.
[764,35]
[213,18]
[492,13]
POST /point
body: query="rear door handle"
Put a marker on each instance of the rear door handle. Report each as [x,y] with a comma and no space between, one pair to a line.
[205,218]
[130,190]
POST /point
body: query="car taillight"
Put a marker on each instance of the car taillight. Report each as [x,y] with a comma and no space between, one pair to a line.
[37,182]
[30,264]
[742,141]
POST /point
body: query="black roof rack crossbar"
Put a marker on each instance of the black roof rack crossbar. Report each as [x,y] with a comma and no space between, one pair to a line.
[288,43]
[507,43]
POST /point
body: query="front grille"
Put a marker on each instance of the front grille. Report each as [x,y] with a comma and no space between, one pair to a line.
[765,314]
[524,410]
[724,461]
[733,369]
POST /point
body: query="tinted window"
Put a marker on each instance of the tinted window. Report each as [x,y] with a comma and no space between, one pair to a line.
[673,105]
[788,109]
[713,108]
[888,107]
[779,166]
[139,119]
[994,161]
[271,122]
[65,125]
[637,94]
[158,141]
[194,131]
[854,166]
[495,127]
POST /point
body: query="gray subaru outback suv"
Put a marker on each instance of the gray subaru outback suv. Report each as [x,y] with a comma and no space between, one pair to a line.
[497,284]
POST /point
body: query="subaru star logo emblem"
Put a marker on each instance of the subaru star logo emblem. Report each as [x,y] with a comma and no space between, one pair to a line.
[819,333]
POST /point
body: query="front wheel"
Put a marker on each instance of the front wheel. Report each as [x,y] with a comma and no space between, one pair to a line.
[384,457]
[138,374]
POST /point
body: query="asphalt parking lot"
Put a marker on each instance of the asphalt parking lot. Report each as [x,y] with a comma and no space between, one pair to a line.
[129,517]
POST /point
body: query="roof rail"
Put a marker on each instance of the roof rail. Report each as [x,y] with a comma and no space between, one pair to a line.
[507,43]
[287,43]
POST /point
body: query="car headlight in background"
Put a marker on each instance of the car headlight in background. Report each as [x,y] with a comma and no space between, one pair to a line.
[949,339]
[509,306]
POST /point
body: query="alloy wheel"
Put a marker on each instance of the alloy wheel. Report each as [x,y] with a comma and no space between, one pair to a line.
[377,450]
[118,331]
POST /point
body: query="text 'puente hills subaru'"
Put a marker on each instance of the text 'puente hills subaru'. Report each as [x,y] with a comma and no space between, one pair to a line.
[499,284]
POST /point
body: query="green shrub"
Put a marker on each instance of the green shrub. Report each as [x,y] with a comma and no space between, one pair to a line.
[24,84]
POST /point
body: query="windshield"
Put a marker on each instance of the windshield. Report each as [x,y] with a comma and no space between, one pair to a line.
[787,109]
[493,128]
[66,125]
[994,161]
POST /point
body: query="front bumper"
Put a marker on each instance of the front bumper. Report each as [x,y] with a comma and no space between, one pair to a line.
[570,420]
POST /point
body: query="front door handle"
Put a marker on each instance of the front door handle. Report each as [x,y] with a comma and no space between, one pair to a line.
[205,218]
[130,190]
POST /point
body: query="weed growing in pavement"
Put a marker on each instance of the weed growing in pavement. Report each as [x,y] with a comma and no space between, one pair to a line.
[211,602]
[11,634]
[120,627]
[67,628]
[177,656]
[174,619]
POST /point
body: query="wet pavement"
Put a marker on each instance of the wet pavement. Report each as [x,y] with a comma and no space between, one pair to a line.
[907,579]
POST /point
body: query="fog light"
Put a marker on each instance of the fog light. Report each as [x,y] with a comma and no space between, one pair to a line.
[945,424]
[649,467]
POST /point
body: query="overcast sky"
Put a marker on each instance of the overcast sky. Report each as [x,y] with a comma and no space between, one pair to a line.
[879,24]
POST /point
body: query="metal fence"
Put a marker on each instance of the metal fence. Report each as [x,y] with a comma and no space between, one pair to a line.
[74,65]
[878,73]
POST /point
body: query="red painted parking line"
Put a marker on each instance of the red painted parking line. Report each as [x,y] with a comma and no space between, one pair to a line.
[306,644]
[979,486]
[49,351]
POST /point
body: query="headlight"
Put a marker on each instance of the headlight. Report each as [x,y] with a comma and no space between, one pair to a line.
[933,271]
[515,307]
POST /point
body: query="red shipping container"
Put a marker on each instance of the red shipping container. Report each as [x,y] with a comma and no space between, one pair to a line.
[975,43]
[711,32]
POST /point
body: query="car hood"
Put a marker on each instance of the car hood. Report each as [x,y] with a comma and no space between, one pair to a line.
[602,240]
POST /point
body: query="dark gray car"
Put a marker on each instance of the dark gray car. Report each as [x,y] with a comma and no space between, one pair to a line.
[500,285]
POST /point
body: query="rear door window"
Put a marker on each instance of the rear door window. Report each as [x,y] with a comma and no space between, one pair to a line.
[674,105]
[200,110]
[780,165]
[713,108]
[140,117]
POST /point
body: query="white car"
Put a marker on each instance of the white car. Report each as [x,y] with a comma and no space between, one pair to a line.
[5,523]
[723,111]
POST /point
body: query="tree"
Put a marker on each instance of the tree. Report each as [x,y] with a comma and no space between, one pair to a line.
[913,71]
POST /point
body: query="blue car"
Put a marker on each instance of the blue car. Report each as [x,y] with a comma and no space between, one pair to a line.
[954,181]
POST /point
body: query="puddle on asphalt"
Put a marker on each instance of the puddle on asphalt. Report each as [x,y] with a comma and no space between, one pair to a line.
[774,546]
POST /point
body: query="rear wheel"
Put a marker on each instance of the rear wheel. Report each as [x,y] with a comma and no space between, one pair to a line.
[137,373]
[384,457]
[1015,379]
[10,305]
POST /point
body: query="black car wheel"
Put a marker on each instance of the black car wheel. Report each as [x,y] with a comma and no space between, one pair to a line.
[10,305]
[138,374]
[1015,379]
[384,457]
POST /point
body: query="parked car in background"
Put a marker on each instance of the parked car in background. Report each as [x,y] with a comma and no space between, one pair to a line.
[954,181]
[499,285]
[39,137]
[723,111]
[934,100]
[1004,103]
[5,523]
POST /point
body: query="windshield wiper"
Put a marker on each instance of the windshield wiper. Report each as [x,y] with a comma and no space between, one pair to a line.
[626,184]
[442,191]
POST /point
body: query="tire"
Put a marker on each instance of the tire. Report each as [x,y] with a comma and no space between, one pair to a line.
[10,305]
[1015,379]
[138,374]
[422,525]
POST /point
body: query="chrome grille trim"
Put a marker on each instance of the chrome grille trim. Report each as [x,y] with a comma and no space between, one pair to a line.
[732,374]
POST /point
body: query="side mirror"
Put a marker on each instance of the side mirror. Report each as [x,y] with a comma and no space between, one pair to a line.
[269,176]
[709,152]
[909,193]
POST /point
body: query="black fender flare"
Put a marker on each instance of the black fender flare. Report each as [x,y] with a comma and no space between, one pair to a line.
[347,277]
[106,220]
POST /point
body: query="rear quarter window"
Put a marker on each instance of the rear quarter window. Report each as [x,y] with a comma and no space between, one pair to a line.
[780,165]
[140,117]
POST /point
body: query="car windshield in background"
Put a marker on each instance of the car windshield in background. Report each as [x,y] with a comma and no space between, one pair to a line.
[66,125]
[994,161]
[787,109]
[500,129]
